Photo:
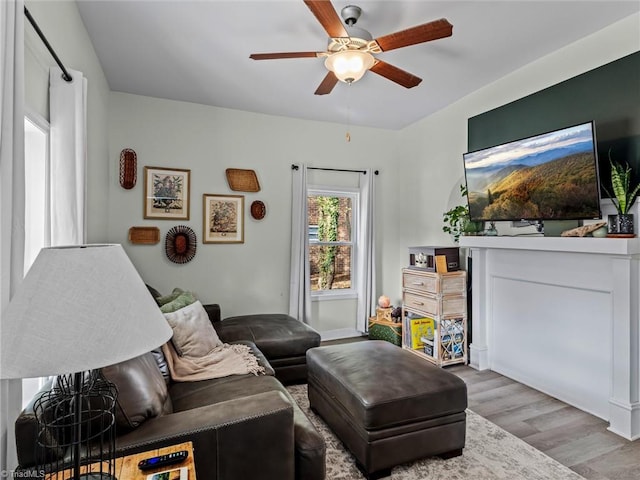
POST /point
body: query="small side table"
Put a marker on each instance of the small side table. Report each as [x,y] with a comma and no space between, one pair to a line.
[385,330]
[127,466]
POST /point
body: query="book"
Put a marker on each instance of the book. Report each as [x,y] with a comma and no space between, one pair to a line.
[429,346]
[181,473]
[420,327]
[441,264]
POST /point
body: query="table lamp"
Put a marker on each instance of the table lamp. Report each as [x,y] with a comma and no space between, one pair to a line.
[79,309]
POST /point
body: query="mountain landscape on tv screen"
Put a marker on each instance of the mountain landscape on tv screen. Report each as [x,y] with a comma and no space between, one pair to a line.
[549,176]
[559,183]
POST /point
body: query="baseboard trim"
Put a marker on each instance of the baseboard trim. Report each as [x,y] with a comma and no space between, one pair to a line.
[340,333]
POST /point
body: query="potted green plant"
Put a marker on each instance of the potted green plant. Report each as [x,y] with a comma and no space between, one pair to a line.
[457,221]
[623,198]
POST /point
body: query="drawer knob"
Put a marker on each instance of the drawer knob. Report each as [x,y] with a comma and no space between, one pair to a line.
[418,283]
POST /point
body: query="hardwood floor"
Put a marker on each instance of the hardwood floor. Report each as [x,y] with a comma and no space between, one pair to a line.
[571,436]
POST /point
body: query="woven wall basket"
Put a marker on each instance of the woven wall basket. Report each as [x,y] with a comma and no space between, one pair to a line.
[242,180]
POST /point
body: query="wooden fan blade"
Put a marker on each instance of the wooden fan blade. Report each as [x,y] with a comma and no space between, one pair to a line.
[275,56]
[328,18]
[419,34]
[395,74]
[327,84]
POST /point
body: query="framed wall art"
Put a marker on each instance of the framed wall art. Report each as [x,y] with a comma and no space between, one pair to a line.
[223,220]
[166,193]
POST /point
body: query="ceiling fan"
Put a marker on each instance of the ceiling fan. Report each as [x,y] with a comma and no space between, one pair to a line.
[350,49]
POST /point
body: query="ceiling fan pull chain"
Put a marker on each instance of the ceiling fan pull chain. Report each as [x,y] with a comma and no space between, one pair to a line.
[348,135]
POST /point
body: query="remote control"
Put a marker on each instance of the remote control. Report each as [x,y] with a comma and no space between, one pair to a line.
[163,460]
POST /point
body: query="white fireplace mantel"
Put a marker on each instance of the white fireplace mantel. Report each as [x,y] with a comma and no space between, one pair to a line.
[613,246]
[561,314]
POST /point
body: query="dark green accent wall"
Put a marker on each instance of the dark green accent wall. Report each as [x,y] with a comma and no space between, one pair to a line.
[609,95]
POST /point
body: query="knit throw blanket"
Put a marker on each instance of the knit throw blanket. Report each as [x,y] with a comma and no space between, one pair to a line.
[195,351]
[222,361]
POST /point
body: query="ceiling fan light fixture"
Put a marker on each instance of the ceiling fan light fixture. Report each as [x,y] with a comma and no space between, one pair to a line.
[349,65]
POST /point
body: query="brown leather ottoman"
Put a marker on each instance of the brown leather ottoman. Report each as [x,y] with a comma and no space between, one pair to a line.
[281,338]
[387,405]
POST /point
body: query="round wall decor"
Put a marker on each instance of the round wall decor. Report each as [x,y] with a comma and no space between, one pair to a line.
[180,244]
[258,210]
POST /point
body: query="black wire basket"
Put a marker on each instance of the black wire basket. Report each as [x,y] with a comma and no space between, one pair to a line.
[76,427]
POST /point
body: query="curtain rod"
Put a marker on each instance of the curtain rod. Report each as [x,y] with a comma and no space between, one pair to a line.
[295,167]
[65,74]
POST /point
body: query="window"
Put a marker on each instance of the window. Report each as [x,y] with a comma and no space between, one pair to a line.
[36,165]
[332,226]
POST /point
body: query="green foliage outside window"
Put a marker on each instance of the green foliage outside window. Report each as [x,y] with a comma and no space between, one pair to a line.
[328,214]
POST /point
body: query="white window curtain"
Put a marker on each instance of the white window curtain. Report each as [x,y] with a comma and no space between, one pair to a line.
[366,260]
[299,287]
[68,120]
[12,196]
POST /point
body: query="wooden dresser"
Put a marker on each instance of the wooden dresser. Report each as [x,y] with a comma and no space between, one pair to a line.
[434,315]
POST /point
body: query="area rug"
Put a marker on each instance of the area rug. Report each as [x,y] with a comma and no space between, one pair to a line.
[490,453]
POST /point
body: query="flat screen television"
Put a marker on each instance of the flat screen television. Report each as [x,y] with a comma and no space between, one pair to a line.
[551,176]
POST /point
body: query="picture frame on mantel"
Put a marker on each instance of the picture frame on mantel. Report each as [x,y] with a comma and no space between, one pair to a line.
[223,218]
[166,193]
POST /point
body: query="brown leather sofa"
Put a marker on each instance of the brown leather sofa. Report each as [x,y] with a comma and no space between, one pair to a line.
[241,426]
[283,340]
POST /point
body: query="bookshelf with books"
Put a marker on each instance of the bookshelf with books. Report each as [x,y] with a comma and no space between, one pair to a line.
[434,315]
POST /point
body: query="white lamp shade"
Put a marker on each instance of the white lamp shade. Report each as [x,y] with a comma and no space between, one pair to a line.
[349,65]
[79,308]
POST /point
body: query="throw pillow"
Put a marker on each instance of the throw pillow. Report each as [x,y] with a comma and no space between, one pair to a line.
[193,334]
[169,298]
[142,392]
[181,301]
[154,293]
[161,361]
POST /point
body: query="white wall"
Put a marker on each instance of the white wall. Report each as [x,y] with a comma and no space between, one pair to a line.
[61,23]
[245,278]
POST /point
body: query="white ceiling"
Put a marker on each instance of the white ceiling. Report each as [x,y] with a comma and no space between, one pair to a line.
[198,51]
